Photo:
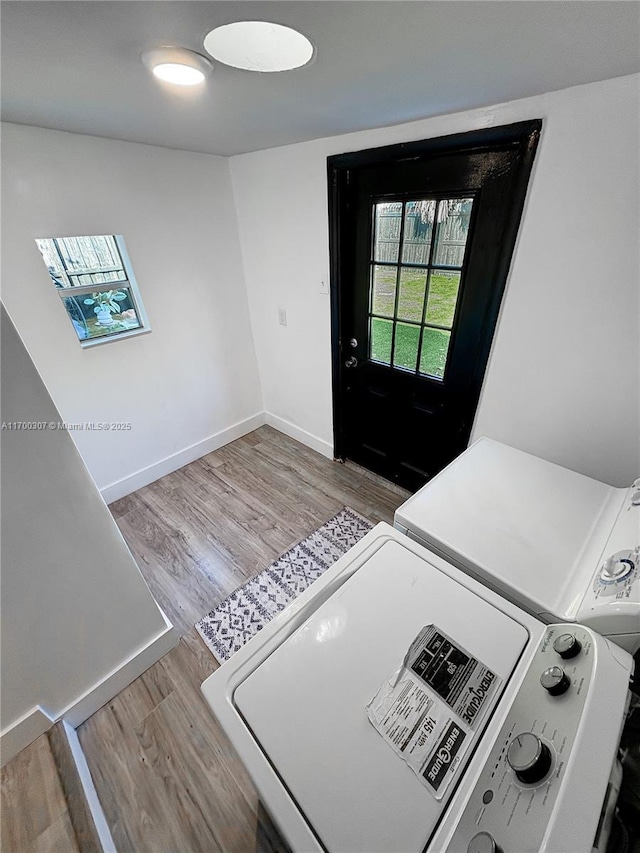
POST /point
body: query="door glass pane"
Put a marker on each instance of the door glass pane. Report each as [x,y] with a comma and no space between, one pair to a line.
[413,283]
[434,236]
[452,231]
[435,345]
[443,294]
[381,332]
[383,290]
[418,230]
[407,343]
[388,216]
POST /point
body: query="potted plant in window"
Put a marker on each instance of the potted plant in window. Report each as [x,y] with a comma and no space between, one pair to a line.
[106,304]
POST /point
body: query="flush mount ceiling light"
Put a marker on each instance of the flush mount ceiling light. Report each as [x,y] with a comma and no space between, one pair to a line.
[177,65]
[259,46]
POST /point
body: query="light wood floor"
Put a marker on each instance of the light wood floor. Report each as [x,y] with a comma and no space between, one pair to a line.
[200,532]
[166,775]
[35,817]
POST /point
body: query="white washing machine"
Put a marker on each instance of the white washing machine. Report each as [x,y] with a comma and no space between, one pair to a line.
[399,706]
[563,546]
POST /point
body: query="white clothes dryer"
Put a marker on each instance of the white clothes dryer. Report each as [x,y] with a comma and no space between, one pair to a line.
[562,546]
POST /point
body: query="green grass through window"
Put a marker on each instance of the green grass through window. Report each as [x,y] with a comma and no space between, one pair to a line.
[434,346]
[443,293]
[441,304]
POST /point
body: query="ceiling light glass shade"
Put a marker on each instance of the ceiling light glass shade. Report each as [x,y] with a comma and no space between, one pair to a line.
[177,65]
[181,75]
[259,46]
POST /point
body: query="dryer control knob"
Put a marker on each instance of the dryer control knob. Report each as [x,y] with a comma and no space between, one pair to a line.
[617,567]
[529,757]
[555,680]
[567,646]
[483,842]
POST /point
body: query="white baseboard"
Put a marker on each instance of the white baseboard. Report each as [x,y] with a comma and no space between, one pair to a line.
[37,721]
[98,695]
[89,789]
[135,481]
[23,732]
[301,435]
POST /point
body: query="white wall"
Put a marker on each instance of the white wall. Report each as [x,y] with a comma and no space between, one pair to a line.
[561,383]
[74,605]
[193,380]
[563,376]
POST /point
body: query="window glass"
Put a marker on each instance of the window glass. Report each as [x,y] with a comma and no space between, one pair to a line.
[380,340]
[418,231]
[435,346]
[413,283]
[95,282]
[383,290]
[387,222]
[452,231]
[405,353]
[417,265]
[443,296]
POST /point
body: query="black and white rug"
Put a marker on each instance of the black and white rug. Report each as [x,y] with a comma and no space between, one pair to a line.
[249,608]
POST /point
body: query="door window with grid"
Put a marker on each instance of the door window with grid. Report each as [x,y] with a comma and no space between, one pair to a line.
[417,262]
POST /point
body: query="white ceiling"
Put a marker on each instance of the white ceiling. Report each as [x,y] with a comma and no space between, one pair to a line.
[76,65]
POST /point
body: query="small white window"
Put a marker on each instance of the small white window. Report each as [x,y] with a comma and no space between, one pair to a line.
[95,282]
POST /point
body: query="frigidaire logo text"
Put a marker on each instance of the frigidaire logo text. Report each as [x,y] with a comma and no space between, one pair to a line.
[477,697]
[444,754]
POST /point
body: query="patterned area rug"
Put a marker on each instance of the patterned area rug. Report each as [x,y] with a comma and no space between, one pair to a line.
[249,608]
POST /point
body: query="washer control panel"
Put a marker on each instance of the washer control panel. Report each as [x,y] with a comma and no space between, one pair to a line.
[513,800]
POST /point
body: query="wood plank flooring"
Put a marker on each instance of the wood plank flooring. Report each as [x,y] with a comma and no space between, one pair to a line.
[35,817]
[168,779]
[200,532]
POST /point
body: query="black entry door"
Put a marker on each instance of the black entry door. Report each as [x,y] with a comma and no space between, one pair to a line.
[421,239]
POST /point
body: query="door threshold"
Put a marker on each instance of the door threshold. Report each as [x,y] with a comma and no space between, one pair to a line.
[377,478]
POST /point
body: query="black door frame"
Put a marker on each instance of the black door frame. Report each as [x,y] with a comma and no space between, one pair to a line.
[521,135]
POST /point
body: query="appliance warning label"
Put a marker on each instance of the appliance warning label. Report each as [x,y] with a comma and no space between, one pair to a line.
[428,711]
[459,679]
